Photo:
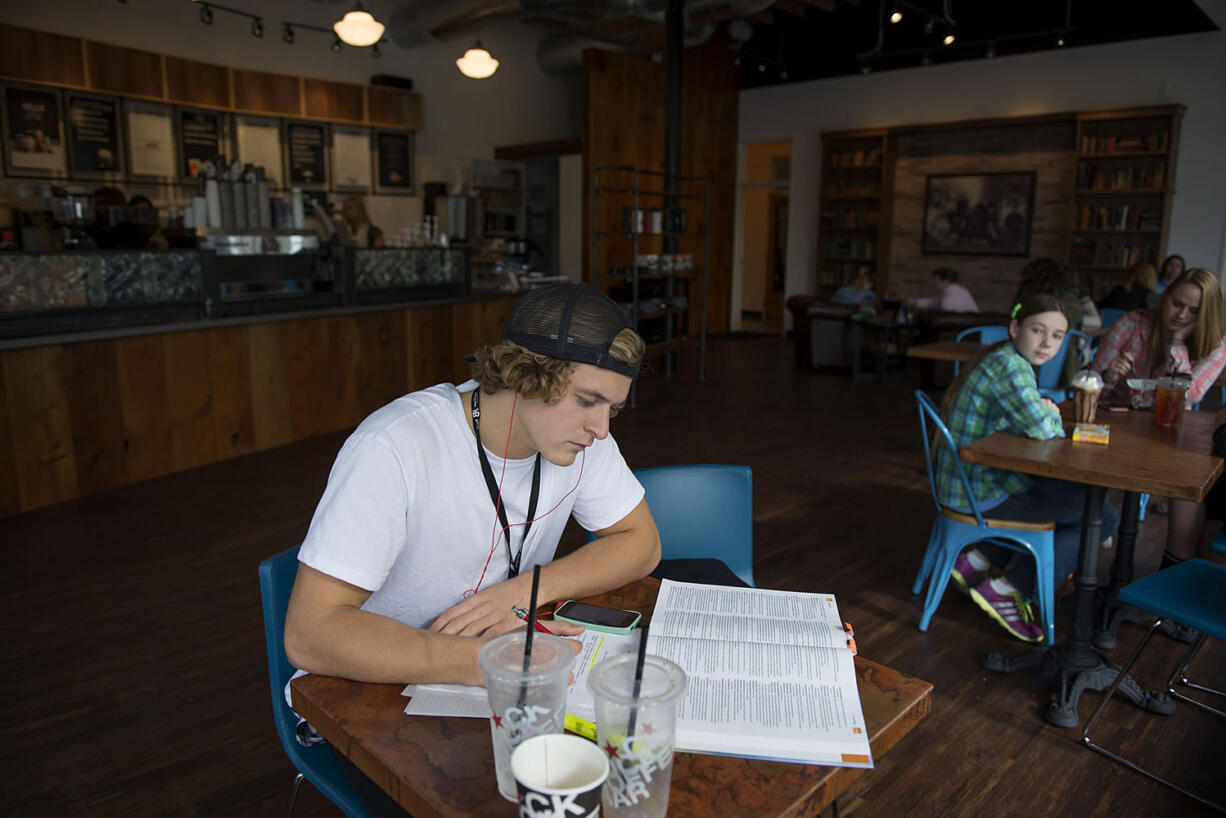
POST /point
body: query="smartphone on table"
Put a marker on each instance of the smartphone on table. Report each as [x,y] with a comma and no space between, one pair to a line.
[597,617]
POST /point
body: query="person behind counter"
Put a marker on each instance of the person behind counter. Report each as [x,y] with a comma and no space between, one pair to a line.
[353,228]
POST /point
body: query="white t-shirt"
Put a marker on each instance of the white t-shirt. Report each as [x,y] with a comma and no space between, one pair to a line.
[407,514]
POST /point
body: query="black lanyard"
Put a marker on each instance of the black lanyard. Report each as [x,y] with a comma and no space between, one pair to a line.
[492,485]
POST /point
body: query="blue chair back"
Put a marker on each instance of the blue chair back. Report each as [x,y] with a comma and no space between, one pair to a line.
[1050,373]
[1110,316]
[986,334]
[703,511]
[317,762]
[933,438]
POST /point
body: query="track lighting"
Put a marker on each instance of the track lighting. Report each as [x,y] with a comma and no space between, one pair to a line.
[336,46]
[206,15]
[257,27]
[865,67]
[287,34]
[991,52]
[949,39]
[374,51]
[896,15]
[929,26]
[926,59]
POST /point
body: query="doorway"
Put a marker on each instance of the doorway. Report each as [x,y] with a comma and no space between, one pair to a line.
[764,236]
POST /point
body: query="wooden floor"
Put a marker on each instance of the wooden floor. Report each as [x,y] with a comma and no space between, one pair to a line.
[135,678]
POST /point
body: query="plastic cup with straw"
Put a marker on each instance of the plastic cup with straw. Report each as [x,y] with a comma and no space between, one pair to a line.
[526,679]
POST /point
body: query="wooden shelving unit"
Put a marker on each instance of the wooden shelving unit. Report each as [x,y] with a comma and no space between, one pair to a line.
[853,225]
[665,292]
[1122,191]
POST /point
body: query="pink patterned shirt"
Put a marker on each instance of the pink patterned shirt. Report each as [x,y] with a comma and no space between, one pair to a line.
[1131,334]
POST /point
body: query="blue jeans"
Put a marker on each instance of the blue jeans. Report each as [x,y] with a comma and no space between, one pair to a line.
[1057,500]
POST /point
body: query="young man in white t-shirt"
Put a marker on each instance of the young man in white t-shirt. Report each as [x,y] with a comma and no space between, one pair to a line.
[408,566]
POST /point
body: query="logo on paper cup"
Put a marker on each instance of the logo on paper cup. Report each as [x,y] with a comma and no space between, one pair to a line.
[631,771]
[551,805]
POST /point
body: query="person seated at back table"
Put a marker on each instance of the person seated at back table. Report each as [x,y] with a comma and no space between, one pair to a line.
[998,393]
[1184,333]
[954,296]
[857,293]
[1137,293]
[1172,267]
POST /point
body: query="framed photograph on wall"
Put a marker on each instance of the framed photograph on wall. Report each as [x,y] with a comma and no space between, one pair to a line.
[201,140]
[33,132]
[394,162]
[95,136]
[306,154]
[984,214]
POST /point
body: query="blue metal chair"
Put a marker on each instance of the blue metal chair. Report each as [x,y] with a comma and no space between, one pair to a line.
[703,511]
[316,763]
[953,531]
[1051,373]
[987,334]
[1109,316]
[1190,593]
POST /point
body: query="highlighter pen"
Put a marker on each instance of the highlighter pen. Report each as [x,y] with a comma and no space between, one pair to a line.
[522,614]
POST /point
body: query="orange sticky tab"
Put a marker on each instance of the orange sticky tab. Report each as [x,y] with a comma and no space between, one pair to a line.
[855,758]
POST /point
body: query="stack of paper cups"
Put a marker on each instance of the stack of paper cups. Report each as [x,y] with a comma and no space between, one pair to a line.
[299,216]
[213,196]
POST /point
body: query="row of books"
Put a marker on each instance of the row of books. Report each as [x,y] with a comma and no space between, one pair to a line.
[852,187]
[850,248]
[852,218]
[867,158]
[1120,217]
[842,272]
[1112,253]
[1159,141]
[1098,177]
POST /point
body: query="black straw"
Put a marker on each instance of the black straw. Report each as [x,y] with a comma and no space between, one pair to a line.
[638,681]
[536,584]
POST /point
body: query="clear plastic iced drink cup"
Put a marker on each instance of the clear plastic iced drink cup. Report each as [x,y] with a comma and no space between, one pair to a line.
[523,703]
[637,734]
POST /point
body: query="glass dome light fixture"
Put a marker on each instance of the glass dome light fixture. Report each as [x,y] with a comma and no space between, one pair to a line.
[358,27]
[477,63]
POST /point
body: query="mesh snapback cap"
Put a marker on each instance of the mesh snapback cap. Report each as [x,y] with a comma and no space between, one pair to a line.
[570,322]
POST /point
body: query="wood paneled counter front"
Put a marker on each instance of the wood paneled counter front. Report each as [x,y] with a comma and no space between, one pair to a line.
[79,417]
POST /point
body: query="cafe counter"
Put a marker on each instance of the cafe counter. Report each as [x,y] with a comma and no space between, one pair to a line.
[144,372]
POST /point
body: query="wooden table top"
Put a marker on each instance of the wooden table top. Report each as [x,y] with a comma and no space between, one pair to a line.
[946,350]
[445,766]
[1139,457]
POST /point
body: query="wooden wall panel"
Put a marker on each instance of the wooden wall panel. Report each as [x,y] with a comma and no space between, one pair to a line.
[41,432]
[80,418]
[230,378]
[124,70]
[141,366]
[268,349]
[197,83]
[265,93]
[189,396]
[41,57]
[394,108]
[332,100]
[96,416]
[382,367]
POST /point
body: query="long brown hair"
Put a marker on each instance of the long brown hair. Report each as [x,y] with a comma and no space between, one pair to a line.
[1028,306]
[1209,326]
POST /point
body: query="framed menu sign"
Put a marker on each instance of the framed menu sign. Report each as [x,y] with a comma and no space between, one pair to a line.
[259,144]
[151,141]
[200,135]
[350,158]
[394,161]
[95,149]
[33,132]
[305,154]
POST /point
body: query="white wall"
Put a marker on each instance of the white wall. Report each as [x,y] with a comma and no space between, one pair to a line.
[465,119]
[1189,69]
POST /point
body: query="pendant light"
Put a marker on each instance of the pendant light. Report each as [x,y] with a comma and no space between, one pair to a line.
[477,63]
[358,27]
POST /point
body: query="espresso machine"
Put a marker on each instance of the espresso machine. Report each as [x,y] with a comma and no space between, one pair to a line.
[73,212]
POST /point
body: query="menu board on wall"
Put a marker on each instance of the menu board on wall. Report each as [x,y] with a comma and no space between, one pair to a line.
[259,144]
[394,157]
[350,158]
[304,147]
[94,148]
[199,140]
[151,140]
[33,132]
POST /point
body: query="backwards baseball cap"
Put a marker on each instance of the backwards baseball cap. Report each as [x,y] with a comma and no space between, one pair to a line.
[570,322]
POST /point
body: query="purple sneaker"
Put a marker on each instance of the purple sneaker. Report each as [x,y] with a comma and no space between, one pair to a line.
[1011,611]
[966,575]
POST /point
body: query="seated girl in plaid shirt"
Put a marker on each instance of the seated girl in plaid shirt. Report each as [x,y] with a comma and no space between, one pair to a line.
[998,393]
[1183,334]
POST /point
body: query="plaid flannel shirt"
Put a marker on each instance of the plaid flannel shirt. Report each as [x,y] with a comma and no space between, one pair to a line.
[1131,334]
[999,395]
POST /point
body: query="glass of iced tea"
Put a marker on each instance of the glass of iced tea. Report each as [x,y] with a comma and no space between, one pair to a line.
[1170,395]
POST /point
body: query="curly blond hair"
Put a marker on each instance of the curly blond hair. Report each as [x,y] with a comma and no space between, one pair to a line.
[508,366]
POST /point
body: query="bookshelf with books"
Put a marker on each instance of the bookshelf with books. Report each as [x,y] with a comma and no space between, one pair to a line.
[1122,191]
[852,229]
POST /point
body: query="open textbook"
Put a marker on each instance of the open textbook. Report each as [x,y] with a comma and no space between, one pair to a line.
[770,675]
